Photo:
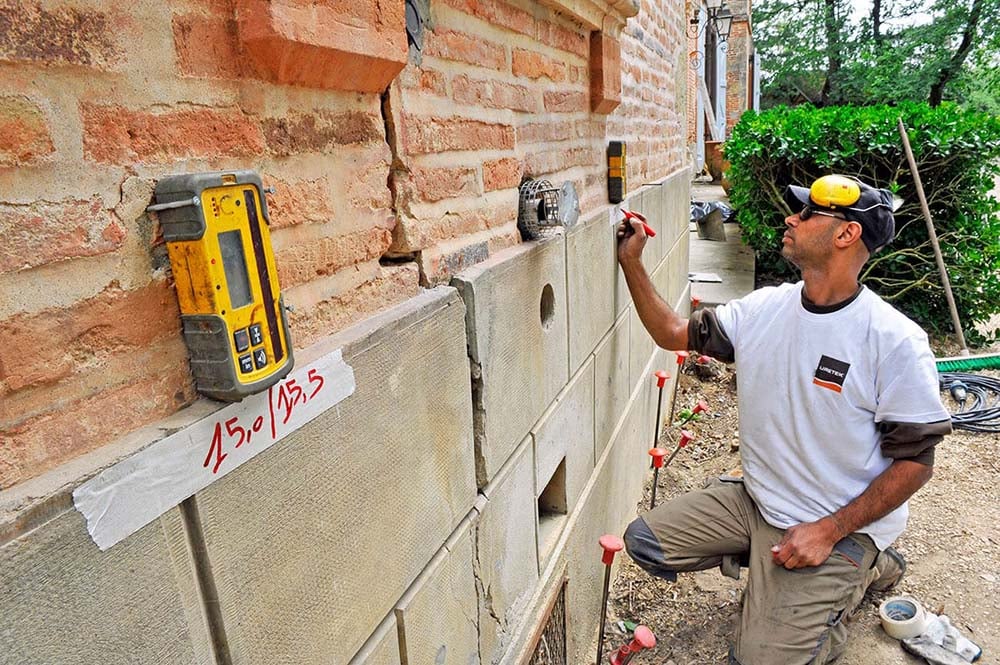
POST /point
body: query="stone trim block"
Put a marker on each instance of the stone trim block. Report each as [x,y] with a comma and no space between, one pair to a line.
[64,601]
[354,46]
[506,560]
[611,382]
[517,338]
[591,275]
[437,617]
[314,542]
[382,648]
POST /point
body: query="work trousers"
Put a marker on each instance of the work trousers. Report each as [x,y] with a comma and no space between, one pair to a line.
[788,617]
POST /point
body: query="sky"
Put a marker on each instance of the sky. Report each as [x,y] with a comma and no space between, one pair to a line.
[863,7]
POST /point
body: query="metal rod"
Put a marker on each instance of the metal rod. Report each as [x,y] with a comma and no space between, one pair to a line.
[656,427]
[604,613]
[672,456]
[934,239]
[656,476]
[157,207]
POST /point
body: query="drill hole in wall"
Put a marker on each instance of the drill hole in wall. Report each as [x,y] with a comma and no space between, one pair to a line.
[548,306]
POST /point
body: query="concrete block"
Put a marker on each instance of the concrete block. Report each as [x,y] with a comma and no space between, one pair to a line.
[382,648]
[611,382]
[661,280]
[438,615]
[518,342]
[64,602]
[677,202]
[653,210]
[506,560]
[564,444]
[622,296]
[313,543]
[592,281]
[678,261]
[641,347]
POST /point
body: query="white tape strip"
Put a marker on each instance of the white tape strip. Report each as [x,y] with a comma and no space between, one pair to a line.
[124,498]
[902,617]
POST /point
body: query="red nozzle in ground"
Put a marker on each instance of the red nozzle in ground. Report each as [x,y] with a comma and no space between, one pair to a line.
[643,639]
[700,407]
[681,356]
[695,302]
[657,454]
[686,438]
[612,545]
[661,377]
[629,215]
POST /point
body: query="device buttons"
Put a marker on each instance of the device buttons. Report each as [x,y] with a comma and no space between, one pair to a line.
[260,358]
[256,335]
[246,364]
[242,340]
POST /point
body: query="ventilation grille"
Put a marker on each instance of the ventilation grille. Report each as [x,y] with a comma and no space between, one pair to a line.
[551,646]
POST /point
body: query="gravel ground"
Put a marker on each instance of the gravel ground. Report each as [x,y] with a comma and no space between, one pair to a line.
[952,546]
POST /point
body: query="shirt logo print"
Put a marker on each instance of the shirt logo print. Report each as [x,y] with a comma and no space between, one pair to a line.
[830,373]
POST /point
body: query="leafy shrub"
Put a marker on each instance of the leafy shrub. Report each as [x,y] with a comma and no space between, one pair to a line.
[957,154]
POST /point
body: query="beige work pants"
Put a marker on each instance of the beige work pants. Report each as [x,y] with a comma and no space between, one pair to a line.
[789,617]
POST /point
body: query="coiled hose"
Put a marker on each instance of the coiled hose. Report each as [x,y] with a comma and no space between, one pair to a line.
[978,399]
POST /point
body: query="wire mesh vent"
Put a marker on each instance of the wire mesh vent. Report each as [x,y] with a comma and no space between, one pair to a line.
[551,646]
[538,209]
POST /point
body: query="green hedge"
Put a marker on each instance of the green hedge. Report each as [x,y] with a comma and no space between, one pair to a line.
[957,154]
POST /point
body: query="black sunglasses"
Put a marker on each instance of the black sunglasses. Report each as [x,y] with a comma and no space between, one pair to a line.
[808,211]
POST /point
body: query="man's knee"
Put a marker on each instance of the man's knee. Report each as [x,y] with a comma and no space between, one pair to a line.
[644,548]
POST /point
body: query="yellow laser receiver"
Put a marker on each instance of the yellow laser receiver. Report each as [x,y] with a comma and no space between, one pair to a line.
[216,229]
[616,172]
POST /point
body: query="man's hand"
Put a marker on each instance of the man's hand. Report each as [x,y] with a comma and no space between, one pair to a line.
[631,243]
[807,544]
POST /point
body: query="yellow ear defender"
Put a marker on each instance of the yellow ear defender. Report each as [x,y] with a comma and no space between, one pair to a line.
[835,191]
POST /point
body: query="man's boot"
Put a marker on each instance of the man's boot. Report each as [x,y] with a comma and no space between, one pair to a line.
[888,570]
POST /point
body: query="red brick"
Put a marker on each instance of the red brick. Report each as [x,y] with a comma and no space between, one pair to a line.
[430,184]
[355,46]
[209,46]
[563,39]
[424,79]
[310,260]
[540,132]
[55,344]
[393,285]
[299,202]
[424,134]
[497,13]
[30,32]
[493,94]
[534,65]
[24,133]
[320,131]
[41,233]
[502,173]
[605,73]
[116,135]
[412,235]
[44,442]
[462,47]
[565,102]
[554,161]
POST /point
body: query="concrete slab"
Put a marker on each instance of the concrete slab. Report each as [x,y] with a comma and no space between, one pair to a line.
[591,269]
[506,560]
[731,260]
[677,206]
[641,347]
[678,260]
[564,437]
[382,648]
[518,342]
[302,573]
[611,382]
[652,208]
[63,601]
[438,615]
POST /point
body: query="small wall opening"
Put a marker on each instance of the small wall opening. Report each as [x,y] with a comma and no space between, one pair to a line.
[547,306]
[552,509]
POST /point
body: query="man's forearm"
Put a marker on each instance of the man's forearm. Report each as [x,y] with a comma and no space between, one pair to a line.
[666,328]
[886,493]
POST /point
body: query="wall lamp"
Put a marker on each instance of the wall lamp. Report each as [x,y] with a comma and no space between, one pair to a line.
[719,17]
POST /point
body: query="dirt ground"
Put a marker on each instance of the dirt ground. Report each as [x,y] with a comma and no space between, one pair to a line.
[952,546]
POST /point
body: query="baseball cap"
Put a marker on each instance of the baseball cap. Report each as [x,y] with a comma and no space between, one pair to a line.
[858,202]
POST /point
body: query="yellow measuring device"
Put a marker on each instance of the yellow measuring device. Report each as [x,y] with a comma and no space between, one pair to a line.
[216,229]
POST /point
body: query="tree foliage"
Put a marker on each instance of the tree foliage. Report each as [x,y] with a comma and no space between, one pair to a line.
[957,153]
[824,53]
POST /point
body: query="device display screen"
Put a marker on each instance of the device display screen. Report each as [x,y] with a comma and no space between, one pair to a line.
[235,264]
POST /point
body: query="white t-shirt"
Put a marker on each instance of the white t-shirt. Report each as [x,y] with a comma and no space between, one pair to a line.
[812,388]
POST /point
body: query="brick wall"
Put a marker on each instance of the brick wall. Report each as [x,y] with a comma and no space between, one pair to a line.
[376,193]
